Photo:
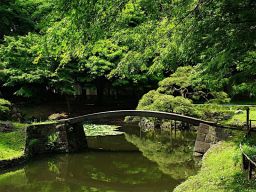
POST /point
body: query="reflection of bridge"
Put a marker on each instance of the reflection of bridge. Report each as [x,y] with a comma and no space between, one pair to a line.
[68,135]
[140,113]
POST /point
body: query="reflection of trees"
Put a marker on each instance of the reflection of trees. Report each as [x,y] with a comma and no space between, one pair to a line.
[104,171]
[173,155]
[11,180]
[90,172]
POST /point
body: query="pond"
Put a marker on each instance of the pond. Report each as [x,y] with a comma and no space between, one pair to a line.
[128,160]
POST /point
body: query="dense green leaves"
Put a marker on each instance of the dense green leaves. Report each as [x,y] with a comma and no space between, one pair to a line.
[178,92]
[67,44]
[219,38]
[5,108]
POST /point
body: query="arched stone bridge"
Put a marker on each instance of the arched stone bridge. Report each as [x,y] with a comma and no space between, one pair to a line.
[67,135]
[140,113]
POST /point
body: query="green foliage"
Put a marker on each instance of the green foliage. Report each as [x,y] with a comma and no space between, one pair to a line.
[52,138]
[14,19]
[179,82]
[5,108]
[18,56]
[218,113]
[249,146]
[219,97]
[68,43]
[101,130]
[225,114]
[102,58]
[132,14]
[177,93]
[156,101]
[220,37]
[4,102]
[186,82]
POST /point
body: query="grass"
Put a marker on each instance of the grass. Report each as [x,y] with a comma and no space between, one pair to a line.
[12,144]
[218,113]
[221,172]
[240,119]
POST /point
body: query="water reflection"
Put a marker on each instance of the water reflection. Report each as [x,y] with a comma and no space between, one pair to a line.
[93,171]
[172,153]
[153,162]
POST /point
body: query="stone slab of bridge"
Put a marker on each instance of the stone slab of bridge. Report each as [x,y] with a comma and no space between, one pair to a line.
[68,135]
[140,113]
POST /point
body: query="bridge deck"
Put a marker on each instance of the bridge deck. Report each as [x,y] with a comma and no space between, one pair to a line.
[141,113]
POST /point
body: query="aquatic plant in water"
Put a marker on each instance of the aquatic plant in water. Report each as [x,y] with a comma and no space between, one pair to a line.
[101,130]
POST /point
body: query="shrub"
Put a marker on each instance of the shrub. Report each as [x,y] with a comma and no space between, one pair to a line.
[219,98]
[186,82]
[5,109]
[156,101]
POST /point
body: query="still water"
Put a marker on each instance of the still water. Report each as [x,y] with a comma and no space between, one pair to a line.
[134,161]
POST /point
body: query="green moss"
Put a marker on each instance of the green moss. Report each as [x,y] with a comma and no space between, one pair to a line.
[12,144]
[220,172]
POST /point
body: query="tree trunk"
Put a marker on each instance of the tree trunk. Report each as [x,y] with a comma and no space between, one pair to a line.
[100,84]
[68,104]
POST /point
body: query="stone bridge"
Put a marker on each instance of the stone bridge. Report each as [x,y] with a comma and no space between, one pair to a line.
[67,135]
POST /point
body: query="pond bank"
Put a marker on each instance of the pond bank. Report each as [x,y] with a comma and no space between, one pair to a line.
[221,171]
[12,144]
[10,163]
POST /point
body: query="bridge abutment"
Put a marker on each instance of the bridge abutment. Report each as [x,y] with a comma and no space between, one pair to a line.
[67,135]
[55,138]
[206,137]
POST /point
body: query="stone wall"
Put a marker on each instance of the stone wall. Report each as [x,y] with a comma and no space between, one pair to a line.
[55,137]
[206,137]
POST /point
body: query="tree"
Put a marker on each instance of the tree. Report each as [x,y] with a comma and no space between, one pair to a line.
[19,60]
[187,82]
[14,19]
[219,36]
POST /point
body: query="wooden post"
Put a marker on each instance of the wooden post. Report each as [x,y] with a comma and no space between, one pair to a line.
[250,171]
[250,127]
[175,127]
[248,118]
[244,162]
